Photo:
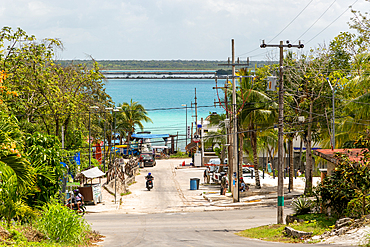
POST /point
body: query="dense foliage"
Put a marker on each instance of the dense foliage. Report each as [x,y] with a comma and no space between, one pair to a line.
[62,225]
[347,190]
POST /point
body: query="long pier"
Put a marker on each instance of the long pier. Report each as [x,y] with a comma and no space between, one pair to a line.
[159,74]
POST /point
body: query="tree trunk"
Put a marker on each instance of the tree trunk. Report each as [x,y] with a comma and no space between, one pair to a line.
[241,141]
[291,164]
[223,153]
[308,142]
[300,153]
[255,158]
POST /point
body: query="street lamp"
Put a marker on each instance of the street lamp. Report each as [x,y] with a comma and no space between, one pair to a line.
[105,121]
[91,107]
[186,124]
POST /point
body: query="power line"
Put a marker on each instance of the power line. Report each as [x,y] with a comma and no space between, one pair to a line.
[291,22]
[281,30]
[330,23]
[316,21]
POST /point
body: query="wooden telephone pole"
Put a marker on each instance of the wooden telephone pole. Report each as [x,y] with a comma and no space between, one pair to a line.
[234,139]
[280,203]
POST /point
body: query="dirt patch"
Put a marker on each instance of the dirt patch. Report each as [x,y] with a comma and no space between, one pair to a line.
[94,237]
[32,235]
[4,234]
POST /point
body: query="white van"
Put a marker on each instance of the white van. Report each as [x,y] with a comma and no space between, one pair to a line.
[214,162]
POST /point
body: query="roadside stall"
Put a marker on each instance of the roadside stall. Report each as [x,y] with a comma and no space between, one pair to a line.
[91,191]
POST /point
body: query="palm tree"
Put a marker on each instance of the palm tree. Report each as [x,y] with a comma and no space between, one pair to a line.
[219,135]
[130,117]
[259,111]
[10,151]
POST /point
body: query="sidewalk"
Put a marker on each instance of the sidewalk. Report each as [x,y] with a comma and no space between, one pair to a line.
[267,195]
[107,204]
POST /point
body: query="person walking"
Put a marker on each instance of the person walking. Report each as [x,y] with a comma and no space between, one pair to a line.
[205,175]
[208,175]
[224,184]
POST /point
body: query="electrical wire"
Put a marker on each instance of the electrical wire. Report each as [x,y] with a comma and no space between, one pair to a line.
[291,21]
[330,23]
[281,30]
[315,21]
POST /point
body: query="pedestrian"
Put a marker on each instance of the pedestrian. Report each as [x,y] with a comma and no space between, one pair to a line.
[205,175]
[208,175]
[223,184]
[299,172]
[241,184]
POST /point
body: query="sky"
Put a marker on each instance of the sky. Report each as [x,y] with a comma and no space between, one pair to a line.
[178,29]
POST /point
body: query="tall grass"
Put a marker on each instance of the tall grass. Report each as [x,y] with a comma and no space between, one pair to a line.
[62,225]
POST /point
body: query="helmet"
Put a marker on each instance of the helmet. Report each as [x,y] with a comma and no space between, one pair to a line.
[77,191]
[149,174]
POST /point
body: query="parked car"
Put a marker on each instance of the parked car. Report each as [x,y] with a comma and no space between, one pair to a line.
[147,159]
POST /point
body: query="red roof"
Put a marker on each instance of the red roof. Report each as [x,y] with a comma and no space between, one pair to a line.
[354,154]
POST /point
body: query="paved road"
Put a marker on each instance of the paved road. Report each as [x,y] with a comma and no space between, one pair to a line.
[171,190]
[173,215]
[208,228]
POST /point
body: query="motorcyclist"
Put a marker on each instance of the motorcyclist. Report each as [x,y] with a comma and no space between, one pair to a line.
[76,199]
[79,198]
[149,177]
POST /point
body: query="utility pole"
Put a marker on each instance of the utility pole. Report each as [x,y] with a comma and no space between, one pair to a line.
[333,119]
[197,155]
[227,127]
[234,139]
[201,137]
[235,129]
[196,113]
[91,107]
[280,204]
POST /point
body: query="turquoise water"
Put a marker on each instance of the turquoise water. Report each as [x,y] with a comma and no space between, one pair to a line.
[104,71]
[163,99]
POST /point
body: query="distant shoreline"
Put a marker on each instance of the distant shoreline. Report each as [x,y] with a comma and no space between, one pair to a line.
[138,78]
[160,74]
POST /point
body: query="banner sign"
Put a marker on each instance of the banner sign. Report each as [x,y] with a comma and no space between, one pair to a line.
[77,158]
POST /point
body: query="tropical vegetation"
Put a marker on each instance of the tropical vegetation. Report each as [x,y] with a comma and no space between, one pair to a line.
[339,69]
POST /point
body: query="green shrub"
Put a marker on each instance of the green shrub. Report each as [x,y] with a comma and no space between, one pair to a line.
[347,188]
[355,207]
[62,225]
[302,205]
[179,154]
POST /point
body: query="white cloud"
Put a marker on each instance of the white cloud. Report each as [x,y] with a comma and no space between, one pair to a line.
[173,29]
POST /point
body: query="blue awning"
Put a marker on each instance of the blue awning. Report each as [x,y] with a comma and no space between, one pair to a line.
[150,136]
[303,148]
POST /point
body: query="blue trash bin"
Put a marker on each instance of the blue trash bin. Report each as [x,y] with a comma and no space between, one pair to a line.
[193,184]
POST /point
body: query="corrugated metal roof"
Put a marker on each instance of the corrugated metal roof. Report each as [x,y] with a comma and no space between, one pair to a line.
[355,154]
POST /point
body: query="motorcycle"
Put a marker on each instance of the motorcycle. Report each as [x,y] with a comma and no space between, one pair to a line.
[79,211]
[149,184]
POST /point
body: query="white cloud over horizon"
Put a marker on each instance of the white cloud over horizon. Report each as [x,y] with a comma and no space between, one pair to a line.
[175,29]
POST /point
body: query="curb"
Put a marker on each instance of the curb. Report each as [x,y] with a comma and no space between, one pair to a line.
[266,201]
